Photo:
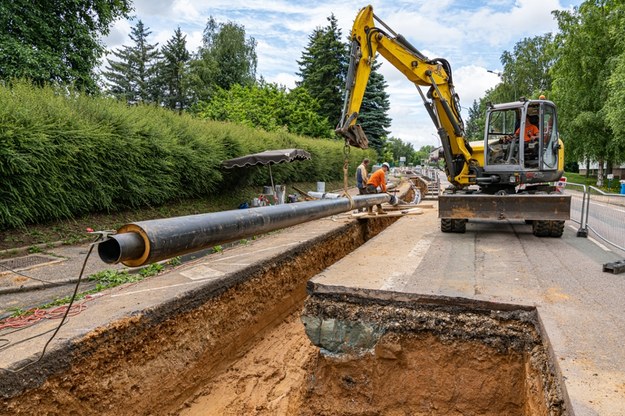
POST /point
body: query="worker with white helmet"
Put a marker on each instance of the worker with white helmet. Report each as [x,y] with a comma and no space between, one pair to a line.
[377,183]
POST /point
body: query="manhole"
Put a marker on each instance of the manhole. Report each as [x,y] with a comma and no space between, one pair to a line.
[26,262]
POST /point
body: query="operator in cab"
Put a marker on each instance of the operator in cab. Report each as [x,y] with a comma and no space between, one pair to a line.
[531,131]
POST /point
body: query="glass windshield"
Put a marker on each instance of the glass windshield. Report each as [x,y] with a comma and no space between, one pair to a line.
[501,127]
[550,132]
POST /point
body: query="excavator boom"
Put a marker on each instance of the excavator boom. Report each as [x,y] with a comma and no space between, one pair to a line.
[502,167]
[441,102]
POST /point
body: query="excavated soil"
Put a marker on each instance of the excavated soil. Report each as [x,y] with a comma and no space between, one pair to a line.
[426,361]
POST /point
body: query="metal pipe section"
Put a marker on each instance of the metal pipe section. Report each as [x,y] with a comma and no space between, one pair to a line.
[144,242]
[324,195]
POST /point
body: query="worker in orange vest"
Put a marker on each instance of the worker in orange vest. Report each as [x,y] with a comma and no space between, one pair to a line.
[377,184]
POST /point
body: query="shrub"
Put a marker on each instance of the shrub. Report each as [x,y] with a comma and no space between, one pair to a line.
[64,155]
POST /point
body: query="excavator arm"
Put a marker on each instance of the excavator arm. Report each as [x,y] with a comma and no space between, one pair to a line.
[441,102]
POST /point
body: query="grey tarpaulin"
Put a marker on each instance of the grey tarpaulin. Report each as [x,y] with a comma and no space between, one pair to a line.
[269,157]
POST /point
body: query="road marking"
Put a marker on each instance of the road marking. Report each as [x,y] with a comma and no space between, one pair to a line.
[255,251]
[156,288]
[599,244]
[397,280]
[606,205]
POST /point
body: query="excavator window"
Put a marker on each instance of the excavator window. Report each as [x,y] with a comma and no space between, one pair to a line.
[501,127]
[532,149]
[549,132]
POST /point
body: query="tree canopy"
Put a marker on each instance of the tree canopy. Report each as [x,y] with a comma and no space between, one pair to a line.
[56,41]
[581,67]
[270,107]
[584,74]
[525,74]
[225,58]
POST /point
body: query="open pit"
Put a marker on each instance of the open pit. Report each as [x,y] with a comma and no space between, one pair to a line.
[254,343]
[402,354]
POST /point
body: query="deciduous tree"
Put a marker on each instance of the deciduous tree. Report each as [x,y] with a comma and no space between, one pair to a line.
[56,41]
[526,68]
[399,148]
[268,106]
[226,58]
[581,74]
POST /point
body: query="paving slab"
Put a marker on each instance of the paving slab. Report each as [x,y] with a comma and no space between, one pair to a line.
[581,307]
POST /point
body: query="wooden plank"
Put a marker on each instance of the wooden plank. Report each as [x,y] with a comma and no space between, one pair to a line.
[412,211]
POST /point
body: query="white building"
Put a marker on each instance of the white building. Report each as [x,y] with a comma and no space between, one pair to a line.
[617,170]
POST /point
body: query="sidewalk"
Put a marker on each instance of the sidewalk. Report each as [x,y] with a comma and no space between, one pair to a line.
[39,278]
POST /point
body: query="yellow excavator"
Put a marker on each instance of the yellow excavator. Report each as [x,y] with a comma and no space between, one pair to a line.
[506,176]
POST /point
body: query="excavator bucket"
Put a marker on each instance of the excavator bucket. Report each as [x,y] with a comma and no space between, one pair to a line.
[355,136]
[509,207]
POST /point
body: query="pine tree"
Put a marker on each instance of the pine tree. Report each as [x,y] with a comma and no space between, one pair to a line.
[323,68]
[132,77]
[475,124]
[119,75]
[373,116]
[173,70]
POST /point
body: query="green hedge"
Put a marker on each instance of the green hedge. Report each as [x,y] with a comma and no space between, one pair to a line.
[63,155]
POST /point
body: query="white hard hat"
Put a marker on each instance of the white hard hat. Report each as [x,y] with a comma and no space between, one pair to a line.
[387,165]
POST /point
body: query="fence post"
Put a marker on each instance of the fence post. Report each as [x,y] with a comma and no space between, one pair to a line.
[583,223]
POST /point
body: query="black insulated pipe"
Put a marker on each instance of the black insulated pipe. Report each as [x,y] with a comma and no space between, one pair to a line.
[121,247]
[146,242]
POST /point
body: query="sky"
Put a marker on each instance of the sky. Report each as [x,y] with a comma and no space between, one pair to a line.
[471,35]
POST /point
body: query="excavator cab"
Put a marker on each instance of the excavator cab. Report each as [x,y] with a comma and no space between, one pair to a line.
[521,143]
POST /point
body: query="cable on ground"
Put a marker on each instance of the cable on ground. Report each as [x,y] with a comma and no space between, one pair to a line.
[64,316]
[27,276]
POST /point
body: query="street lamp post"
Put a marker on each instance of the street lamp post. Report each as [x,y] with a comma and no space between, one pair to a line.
[500,75]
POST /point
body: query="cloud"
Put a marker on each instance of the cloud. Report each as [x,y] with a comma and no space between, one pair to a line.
[471,82]
[470,34]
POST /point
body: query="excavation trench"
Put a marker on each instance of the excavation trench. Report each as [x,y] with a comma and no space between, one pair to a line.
[244,347]
[154,361]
